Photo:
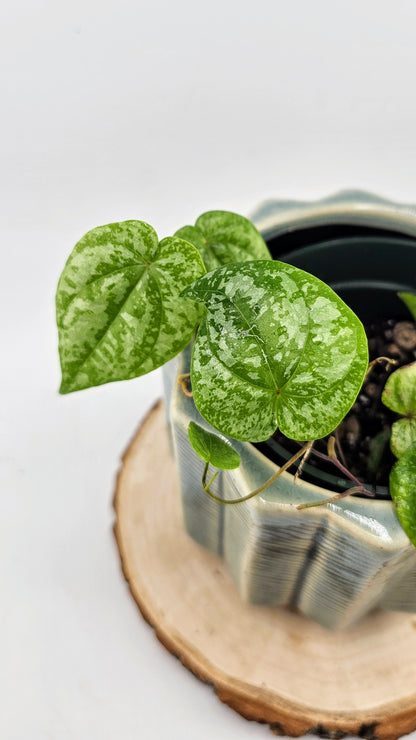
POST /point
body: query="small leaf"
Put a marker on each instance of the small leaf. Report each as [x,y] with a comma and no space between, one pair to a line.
[410,300]
[222,237]
[118,308]
[212,449]
[399,395]
[403,436]
[277,348]
[403,491]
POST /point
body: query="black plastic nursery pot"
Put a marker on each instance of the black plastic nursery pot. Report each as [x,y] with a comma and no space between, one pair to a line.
[366,267]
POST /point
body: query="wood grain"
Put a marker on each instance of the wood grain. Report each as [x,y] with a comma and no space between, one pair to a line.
[268,664]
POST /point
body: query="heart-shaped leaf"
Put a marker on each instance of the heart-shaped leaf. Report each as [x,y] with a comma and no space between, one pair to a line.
[222,237]
[403,491]
[399,394]
[277,348]
[410,300]
[118,308]
[212,449]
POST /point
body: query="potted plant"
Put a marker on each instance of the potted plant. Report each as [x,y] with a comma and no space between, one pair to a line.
[276,348]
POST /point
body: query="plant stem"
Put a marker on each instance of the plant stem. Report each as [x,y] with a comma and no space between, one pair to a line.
[331,448]
[388,360]
[307,446]
[183,382]
[345,471]
[206,485]
[300,467]
[209,484]
[204,475]
[331,499]
[339,446]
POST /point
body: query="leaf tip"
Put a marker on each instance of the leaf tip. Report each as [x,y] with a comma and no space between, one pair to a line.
[64,388]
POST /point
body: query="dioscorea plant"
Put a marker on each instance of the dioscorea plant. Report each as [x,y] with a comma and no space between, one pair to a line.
[275,347]
[400,395]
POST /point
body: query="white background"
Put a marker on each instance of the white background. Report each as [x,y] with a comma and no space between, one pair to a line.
[158,111]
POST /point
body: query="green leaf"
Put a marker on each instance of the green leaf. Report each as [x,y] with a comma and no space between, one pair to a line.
[403,436]
[410,300]
[212,449]
[118,308]
[277,348]
[222,237]
[399,395]
[403,491]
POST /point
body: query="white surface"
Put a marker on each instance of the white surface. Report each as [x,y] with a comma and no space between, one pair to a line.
[159,111]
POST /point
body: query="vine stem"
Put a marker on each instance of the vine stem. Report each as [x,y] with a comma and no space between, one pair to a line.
[261,488]
[346,472]
[388,360]
[331,499]
[339,446]
[206,486]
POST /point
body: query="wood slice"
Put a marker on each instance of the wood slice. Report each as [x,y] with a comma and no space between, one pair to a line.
[268,664]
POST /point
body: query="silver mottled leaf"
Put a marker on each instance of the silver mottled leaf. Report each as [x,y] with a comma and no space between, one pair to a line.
[403,436]
[118,308]
[223,237]
[277,347]
[399,394]
[403,491]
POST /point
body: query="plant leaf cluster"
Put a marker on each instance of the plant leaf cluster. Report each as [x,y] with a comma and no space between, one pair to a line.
[275,347]
[399,395]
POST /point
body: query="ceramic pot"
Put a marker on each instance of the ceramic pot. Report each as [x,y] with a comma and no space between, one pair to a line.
[337,562]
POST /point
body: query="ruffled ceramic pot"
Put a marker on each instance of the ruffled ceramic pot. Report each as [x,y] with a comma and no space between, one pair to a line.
[337,562]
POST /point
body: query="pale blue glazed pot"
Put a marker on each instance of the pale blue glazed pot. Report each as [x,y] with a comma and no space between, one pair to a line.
[333,563]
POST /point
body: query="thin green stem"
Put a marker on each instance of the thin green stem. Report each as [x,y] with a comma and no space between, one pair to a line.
[261,488]
[208,486]
[331,499]
[204,475]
